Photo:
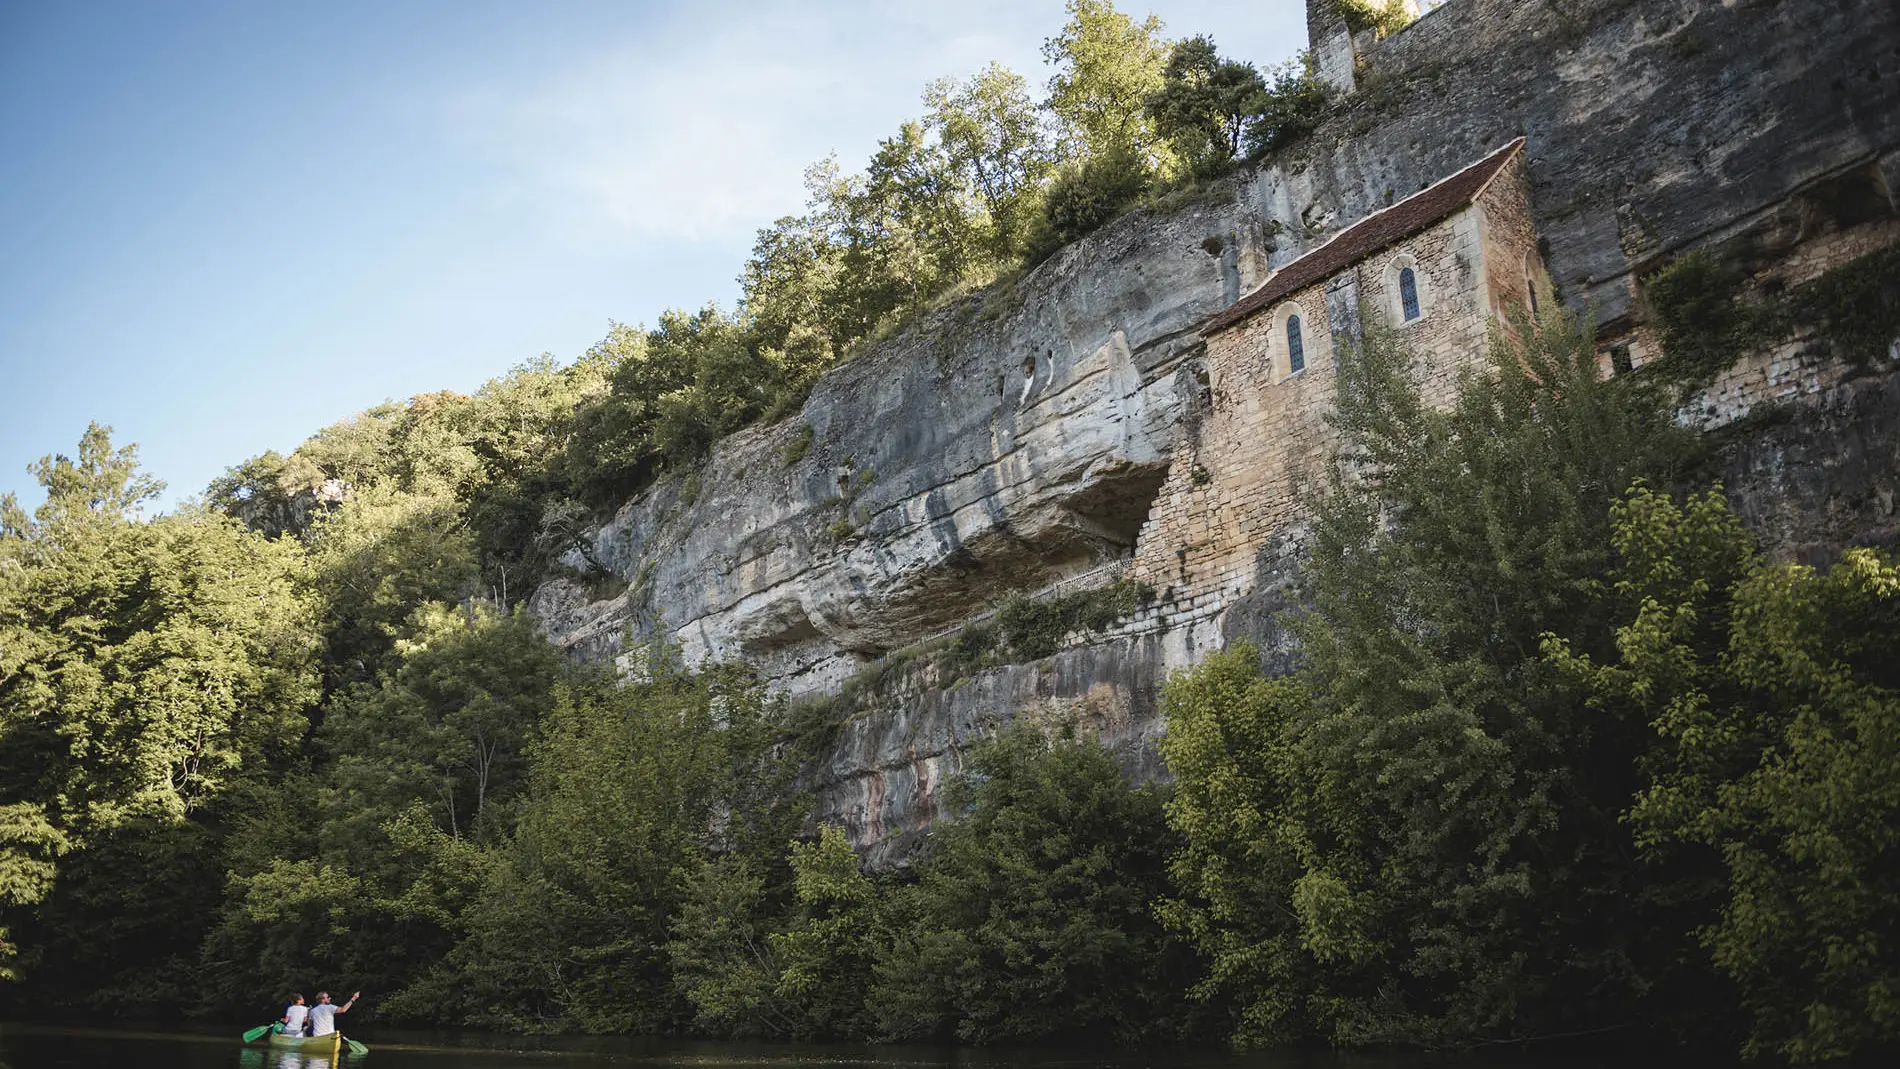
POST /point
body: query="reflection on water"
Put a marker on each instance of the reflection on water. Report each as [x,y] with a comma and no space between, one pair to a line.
[25,1046]
[266,1058]
[28,1046]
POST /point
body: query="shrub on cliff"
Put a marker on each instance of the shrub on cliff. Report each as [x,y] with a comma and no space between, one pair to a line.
[1708,313]
[1214,111]
[1291,107]
[1385,17]
[1085,196]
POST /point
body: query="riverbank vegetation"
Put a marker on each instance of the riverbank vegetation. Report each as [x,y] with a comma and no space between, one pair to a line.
[1566,756]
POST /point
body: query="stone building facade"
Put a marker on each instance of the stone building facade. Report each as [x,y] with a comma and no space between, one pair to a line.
[1443,267]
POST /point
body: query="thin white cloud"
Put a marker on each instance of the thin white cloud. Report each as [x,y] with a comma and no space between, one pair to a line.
[703,131]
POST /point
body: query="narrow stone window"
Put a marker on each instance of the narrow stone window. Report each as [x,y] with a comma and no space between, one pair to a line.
[1408,294]
[1295,346]
[1620,359]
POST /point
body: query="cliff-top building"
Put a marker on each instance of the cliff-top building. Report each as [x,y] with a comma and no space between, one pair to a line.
[1441,267]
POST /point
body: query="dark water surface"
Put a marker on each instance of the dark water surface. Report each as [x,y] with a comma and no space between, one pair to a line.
[28,1046]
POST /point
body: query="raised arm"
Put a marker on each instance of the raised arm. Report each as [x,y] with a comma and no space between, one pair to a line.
[345,1008]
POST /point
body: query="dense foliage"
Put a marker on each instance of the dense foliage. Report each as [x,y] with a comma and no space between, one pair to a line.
[1706,308]
[1030,919]
[1432,804]
[1775,702]
[1566,756]
[150,674]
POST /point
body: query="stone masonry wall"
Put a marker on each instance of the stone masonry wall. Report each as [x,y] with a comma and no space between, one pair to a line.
[1800,368]
[1242,476]
[1510,263]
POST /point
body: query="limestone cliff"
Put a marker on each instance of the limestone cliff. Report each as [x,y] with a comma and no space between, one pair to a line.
[1017,438]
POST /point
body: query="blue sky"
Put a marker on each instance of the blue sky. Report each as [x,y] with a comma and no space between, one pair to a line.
[226,225]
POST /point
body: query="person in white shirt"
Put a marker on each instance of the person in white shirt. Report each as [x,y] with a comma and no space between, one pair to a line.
[323,1014]
[294,1015]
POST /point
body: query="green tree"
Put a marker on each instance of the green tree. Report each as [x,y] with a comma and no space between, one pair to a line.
[101,481]
[1293,104]
[145,664]
[449,726]
[29,850]
[1482,802]
[356,451]
[1451,810]
[721,951]
[500,456]
[790,306]
[725,384]
[671,392]
[378,556]
[517,429]
[910,228]
[630,787]
[1776,709]
[148,671]
[1106,66]
[1032,916]
[752,963]
[1241,806]
[828,954]
[993,137]
[1205,104]
[420,770]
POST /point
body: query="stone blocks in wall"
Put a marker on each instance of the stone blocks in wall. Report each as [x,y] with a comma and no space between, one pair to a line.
[1245,477]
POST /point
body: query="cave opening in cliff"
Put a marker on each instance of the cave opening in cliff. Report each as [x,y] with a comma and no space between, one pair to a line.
[1112,511]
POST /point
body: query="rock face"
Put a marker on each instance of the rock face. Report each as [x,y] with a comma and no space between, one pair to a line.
[1817,477]
[976,453]
[1018,437]
[878,777]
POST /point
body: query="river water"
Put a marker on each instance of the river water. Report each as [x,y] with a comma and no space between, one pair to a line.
[26,1046]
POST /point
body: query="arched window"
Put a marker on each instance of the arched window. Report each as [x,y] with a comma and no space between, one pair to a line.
[1408,294]
[1406,291]
[1295,346]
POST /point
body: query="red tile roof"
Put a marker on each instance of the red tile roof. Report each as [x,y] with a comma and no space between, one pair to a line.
[1369,235]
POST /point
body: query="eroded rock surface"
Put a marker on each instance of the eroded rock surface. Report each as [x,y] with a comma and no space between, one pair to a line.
[1017,437]
[975,454]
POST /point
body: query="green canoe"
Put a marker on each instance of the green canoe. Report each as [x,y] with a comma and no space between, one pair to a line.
[331,1044]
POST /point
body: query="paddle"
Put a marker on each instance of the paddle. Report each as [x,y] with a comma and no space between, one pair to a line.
[357,1050]
[257,1033]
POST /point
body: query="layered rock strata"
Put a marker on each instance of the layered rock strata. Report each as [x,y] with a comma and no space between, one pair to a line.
[1019,437]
